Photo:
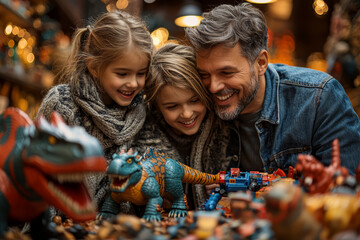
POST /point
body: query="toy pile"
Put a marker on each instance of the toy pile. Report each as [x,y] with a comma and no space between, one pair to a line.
[310,202]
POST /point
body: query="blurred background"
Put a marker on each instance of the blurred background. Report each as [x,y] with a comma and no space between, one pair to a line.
[35,37]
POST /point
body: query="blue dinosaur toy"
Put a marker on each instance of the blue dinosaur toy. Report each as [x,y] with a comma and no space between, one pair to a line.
[147,180]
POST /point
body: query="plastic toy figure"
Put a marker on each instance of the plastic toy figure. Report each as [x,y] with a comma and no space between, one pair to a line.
[286,211]
[44,164]
[317,178]
[235,180]
[245,223]
[336,213]
[147,180]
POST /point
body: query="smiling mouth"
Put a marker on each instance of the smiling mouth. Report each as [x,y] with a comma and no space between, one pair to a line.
[189,123]
[126,93]
[226,97]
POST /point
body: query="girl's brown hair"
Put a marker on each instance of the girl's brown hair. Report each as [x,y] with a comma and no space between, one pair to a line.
[175,65]
[97,45]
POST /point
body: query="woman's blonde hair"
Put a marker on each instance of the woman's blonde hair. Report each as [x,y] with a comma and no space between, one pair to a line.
[175,65]
[99,44]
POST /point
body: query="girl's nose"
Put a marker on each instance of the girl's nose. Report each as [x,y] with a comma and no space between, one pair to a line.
[187,112]
[132,83]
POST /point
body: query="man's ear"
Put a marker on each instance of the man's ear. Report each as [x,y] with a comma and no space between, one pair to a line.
[92,71]
[262,61]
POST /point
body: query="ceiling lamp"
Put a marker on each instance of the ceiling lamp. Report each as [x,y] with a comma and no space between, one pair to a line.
[189,15]
[261,1]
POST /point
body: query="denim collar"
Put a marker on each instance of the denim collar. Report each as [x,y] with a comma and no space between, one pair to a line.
[270,110]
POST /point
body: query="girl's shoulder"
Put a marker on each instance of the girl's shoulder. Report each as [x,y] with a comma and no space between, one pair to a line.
[58,91]
[59,99]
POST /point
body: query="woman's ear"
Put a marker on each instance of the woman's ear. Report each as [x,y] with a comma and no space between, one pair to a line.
[93,72]
[262,61]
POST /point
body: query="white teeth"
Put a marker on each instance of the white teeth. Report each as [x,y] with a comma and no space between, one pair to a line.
[74,206]
[308,181]
[126,92]
[117,187]
[76,177]
[189,122]
[222,98]
[118,176]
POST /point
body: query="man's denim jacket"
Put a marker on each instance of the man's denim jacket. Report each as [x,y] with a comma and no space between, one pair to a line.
[303,112]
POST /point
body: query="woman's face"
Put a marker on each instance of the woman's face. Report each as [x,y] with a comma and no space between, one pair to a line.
[181,109]
[124,78]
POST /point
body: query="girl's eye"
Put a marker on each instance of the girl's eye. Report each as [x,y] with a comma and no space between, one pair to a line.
[121,74]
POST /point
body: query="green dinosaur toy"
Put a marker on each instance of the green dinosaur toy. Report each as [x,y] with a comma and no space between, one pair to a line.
[147,180]
[44,164]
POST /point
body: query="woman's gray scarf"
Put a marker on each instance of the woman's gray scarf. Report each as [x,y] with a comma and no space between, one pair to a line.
[195,153]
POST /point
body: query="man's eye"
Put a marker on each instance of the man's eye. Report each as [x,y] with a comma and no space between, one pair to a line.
[204,76]
[228,73]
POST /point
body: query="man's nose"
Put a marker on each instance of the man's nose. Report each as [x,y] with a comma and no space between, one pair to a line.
[216,84]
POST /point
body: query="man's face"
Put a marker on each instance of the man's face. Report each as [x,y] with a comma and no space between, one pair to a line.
[230,78]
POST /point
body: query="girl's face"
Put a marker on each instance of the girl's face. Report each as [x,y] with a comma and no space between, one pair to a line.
[124,78]
[181,109]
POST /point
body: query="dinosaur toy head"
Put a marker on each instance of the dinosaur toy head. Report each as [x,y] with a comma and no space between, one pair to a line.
[56,160]
[124,170]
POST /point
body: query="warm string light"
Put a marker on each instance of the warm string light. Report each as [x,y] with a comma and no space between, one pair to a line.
[320,7]
[20,43]
[159,37]
[261,1]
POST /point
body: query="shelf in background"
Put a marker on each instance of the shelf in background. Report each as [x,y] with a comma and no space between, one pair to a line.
[37,89]
[7,14]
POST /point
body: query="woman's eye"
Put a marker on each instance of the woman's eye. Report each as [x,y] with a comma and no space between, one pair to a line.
[142,73]
[171,107]
[195,100]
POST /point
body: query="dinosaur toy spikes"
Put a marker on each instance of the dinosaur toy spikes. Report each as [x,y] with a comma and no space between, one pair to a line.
[41,165]
[147,180]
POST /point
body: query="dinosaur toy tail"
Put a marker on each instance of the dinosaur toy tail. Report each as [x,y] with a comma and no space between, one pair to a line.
[194,176]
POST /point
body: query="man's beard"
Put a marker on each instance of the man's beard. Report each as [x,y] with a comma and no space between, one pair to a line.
[243,102]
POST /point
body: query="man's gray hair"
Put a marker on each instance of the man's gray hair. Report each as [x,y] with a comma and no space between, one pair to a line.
[228,24]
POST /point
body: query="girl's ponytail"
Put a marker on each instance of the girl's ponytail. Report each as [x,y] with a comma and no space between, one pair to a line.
[75,63]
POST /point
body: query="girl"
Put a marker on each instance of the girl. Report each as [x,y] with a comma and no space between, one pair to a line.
[101,84]
[180,121]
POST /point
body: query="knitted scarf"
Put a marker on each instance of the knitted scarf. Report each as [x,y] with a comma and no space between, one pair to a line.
[191,149]
[115,125]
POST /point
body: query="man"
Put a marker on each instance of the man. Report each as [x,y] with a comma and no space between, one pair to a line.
[278,111]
